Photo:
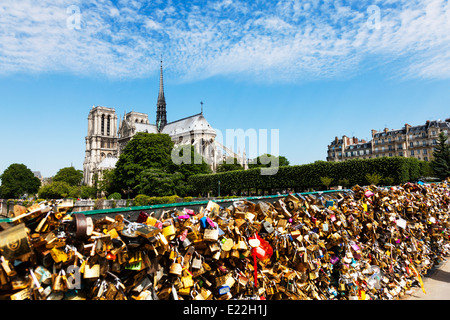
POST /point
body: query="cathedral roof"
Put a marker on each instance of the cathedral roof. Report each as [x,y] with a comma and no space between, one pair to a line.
[145,127]
[193,123]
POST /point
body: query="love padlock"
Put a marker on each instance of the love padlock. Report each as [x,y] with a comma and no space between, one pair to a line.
[211,234]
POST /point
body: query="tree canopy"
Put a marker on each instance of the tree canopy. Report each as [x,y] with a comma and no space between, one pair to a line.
[70,175]
[18,180]
[157,182]
[143,151]
[441,158]
[266,161]
[149,160]
[230,164]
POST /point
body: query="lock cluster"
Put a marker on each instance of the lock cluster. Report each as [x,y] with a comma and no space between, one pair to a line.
[364,243]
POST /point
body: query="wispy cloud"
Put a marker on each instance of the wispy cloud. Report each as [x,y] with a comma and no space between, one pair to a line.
[288,40]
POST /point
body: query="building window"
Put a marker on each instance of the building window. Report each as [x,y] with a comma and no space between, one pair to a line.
[390,148]
[425,151]
[108,126]
[425,158]
[411,144]
[433,133]
[412,152]
[390,154]
[103,124]
[424,143]
[400,154]
[418,151]
[434,141]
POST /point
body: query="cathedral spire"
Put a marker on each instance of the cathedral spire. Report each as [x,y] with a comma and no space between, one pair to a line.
[161,114]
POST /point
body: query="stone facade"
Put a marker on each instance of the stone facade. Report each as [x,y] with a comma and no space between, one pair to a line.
[409,141]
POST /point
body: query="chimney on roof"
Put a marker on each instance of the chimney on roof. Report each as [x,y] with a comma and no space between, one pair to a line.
[373,132]
[407,126]
[386,130]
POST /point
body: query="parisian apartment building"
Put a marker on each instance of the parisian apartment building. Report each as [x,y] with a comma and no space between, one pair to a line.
[410,141]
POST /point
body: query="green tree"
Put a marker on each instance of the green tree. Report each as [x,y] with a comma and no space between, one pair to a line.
[18,180]
[56,190]
[104,183]
[195,165]
[230,164]
[266,160]
[70,175]
[157,182]
[441,158]
[373,178]
[326,181]
[143,151]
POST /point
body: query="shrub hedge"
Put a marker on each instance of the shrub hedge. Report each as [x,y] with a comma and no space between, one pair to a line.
[301,177]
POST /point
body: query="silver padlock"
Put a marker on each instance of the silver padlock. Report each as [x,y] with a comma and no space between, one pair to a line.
[211,234]
[197,261]
[268,226]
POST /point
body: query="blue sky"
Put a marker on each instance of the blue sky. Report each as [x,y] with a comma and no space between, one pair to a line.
[312,69]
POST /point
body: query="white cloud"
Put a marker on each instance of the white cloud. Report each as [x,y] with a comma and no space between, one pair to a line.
[289,40]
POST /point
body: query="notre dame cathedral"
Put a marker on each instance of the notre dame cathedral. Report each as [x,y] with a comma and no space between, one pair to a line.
[105,140]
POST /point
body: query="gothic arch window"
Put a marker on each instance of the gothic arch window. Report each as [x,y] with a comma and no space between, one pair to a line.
[103,124]
[108,126]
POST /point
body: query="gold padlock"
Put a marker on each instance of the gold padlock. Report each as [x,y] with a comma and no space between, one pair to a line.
[211,234]
[169,231]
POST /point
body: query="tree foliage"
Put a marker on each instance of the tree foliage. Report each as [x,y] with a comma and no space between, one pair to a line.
[326,181]
[69,175]
[230,164]
[146,166]
[373,178]
[143,151]
[55,190]
[18,180]
[196,164]
[267,160]
[307,176]
[157,182]
[441,158]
